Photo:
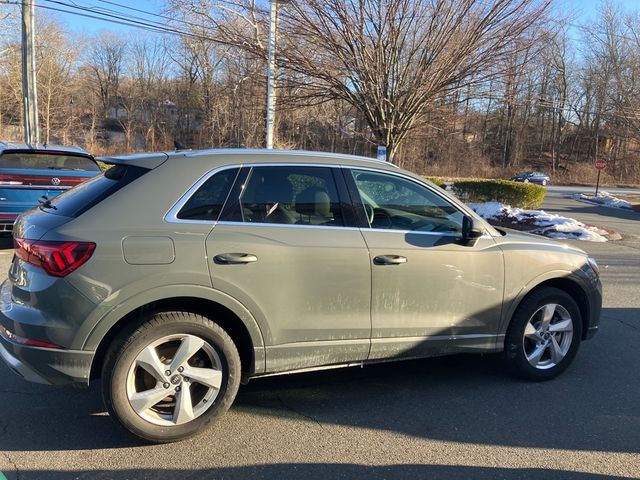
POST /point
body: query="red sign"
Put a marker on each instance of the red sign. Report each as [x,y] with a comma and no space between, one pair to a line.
[601,164]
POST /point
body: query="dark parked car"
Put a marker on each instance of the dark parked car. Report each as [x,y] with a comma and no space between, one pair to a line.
[532,177]
[27,173]
[174,276]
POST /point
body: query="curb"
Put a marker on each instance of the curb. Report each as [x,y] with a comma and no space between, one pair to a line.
[611,235]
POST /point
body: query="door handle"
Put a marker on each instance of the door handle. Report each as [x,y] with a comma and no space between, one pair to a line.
[389,260]
[234,258]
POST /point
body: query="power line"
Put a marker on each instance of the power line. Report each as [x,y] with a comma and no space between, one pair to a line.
[114,19]
[148,13]
[132,20]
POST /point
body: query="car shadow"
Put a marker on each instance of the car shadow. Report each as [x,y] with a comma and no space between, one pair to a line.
[462,398]
[319,471]
[6,242]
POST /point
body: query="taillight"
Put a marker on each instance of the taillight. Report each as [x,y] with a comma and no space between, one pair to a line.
[9,180]
[58,259]
[30,342]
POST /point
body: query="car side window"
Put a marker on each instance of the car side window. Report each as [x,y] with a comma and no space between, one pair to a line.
[293,195]
[207,202]
[396,203]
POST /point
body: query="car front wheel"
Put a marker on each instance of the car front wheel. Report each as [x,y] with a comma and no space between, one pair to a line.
[544,335]
[171,377]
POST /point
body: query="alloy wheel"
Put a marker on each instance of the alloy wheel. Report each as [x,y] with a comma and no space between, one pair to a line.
[174,380]
[547,336]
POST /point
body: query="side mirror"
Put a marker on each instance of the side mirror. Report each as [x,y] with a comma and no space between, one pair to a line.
[471,230]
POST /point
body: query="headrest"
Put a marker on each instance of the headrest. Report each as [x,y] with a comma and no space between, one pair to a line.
[314,201]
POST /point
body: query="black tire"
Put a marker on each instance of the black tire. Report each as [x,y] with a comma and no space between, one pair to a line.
[129,345]
[514,351]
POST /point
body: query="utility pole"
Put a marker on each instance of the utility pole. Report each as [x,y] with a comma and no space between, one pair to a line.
[271,73]
[29,88]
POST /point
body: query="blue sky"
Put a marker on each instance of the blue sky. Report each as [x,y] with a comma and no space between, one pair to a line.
[581,11]
[82,24]
[588,9]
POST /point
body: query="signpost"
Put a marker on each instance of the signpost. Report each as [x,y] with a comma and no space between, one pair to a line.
[382,153]
[601,164]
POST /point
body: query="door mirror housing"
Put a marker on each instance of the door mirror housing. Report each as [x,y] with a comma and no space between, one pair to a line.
[471,230]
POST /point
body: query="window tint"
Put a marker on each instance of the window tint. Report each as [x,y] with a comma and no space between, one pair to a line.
[207,202]
[395,203]
[290,195]
[81,198]
[47,161]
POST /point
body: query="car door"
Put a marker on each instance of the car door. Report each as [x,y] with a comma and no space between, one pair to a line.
[431,293]
[287,248]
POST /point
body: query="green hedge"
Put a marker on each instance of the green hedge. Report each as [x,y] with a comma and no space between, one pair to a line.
[516,194]
[437,181]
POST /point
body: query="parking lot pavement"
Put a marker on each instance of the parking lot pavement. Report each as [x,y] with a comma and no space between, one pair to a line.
[457,418]
[627,222]
[570,190]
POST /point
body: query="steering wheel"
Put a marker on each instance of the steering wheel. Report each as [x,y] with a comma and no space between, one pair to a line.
[369,212]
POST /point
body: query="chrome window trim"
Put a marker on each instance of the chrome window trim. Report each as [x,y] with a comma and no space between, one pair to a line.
[416,232]
[417,182]
[171,215]
[285,225]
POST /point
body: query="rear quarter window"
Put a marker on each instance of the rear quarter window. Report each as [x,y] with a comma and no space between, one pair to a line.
[81,198]
[207,202]
[45,161]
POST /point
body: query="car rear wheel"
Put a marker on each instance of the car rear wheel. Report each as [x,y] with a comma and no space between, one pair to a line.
[169,378]
[544,335]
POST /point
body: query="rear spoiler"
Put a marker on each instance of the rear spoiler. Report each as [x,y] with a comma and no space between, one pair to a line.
[144,160]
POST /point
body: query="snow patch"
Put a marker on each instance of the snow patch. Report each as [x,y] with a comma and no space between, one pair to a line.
[539,221]
[604,198]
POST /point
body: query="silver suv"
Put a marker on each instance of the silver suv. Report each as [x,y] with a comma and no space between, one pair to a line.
[174,277]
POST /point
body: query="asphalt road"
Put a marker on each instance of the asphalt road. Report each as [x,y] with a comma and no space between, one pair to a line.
[556,190]
[457,418]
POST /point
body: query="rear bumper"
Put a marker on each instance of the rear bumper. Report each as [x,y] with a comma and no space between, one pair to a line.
[46,365]
[42,308]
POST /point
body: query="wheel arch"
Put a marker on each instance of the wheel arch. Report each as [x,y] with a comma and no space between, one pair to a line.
[567,283]
[577,292]
[225,311]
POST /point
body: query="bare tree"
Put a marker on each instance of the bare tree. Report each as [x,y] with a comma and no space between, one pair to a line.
[105,61]
[390,59]
[54,62]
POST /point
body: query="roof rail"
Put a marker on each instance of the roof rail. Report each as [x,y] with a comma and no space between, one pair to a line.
[285,152]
